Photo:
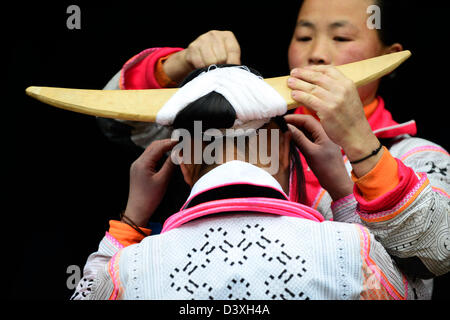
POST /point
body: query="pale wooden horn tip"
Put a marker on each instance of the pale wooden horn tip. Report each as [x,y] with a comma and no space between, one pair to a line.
[33,91]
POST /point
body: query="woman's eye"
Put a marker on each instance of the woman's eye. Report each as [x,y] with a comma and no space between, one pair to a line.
[341,39]
[304,39]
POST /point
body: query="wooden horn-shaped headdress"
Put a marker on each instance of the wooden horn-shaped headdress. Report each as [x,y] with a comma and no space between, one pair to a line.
[143,105]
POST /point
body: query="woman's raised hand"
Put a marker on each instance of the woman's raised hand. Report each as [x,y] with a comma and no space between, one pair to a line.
[335,99]
[212,47]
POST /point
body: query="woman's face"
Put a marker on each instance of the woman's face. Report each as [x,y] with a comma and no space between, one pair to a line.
[334,32]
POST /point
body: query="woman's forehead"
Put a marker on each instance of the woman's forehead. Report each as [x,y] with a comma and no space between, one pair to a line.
[331,12]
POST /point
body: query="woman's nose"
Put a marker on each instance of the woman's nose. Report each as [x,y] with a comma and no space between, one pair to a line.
[319,53]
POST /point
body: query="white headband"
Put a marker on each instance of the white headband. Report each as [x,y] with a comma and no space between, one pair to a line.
[254,100]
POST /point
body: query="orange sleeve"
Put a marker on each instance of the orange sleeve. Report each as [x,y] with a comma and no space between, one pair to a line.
[125,234]
[162,78]
[381,179]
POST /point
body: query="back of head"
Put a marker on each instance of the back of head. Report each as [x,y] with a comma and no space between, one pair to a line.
[214,111]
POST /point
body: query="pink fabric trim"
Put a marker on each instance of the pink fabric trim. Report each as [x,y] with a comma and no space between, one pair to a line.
[113,269]
[439,190]
[113,240]
[397,130]
[263,205]
[345,201]
[318,198]
[376,270]
[423,149]
[229,184]
[370,216]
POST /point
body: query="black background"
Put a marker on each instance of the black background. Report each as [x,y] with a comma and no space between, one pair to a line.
[65,180]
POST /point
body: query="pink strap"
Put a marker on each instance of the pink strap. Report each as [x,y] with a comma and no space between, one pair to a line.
[263,205]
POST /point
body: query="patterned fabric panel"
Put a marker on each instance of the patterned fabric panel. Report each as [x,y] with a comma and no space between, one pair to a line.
[247,257]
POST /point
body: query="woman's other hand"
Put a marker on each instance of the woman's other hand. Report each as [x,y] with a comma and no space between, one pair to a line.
[322,155]
[147,185]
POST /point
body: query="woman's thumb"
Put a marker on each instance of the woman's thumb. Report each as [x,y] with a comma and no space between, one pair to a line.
[300,139]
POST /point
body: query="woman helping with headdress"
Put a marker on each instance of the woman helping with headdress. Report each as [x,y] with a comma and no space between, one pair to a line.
[239,235]
[401,185]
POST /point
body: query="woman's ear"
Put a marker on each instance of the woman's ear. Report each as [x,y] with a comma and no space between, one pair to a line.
[188,173]
[396,47]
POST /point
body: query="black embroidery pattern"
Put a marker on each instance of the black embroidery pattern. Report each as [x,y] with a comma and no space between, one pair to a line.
[83,288]
[438,172]
[435,169]
[253,241]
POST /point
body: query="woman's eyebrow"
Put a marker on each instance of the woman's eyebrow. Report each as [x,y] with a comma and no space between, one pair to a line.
[331,26]
[305,23]
[342,23]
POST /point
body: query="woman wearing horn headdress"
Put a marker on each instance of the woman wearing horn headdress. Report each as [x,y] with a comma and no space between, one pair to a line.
[239,235]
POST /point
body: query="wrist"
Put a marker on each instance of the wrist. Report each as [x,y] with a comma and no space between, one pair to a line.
[176,67]
[342,190]
[360,146]
[139,219]
[363,151]
[366,164]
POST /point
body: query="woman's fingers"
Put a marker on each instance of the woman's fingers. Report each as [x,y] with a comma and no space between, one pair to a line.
[310,126]
[307,132]
[311,89]
[309,101]
[214,47]
[314,76]
[167,168]
[300,139]
[232,48]
[327,70]
[155,151]
[194,56]
[208,55]
[297,84]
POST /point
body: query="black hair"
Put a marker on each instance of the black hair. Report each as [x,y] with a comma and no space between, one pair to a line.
[389,32]
[295,161]
[216,112]
[212,109]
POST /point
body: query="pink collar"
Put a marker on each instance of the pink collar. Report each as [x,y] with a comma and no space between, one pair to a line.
[383,126]
[260,205]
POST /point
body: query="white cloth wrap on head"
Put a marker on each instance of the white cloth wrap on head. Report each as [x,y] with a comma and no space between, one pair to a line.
[254,100]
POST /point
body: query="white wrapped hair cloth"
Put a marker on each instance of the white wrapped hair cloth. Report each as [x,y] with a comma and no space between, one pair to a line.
[254,101]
